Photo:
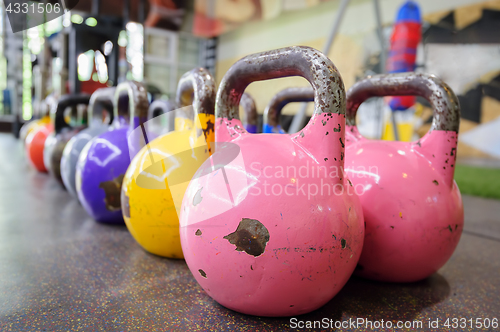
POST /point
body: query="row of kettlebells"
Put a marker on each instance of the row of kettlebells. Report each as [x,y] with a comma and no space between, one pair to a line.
[91,160]
[275,225]
[281,228]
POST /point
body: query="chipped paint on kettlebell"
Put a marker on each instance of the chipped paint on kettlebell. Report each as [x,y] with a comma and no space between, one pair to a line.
[284,254]
[251,236]
[410,196]
[158,175]
[105,158]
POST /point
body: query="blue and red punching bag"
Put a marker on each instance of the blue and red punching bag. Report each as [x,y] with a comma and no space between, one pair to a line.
[403,50]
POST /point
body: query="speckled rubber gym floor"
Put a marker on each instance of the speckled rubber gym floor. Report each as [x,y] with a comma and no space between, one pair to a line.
[61,271]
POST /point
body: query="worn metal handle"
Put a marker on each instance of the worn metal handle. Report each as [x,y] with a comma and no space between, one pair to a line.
[197,88]
[281,99]
[160,107]
[64,102]
[138,103]
[251,115]
[314,66]
[103,96]
[444,102]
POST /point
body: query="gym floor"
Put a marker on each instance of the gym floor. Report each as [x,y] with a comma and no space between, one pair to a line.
[60,270]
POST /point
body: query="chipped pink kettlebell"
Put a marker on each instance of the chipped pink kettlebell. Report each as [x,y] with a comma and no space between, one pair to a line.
[275,229]
[412,206]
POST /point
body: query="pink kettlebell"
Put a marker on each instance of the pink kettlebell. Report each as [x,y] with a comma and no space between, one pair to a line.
[412,206]
[275,229]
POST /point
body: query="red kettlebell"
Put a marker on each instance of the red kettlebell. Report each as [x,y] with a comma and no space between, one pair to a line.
[269,225]
[412,206]
[35,143]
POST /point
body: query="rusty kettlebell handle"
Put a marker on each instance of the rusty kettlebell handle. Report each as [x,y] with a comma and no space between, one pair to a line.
[103,96]
[281,99]
[64,102]
[137,101]
[251,115]
[197,88]
[311,64]
[444,102]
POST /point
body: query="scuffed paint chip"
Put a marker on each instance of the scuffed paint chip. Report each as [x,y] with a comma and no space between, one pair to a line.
[251,236]
[203,274]
[112,190]
[197,197]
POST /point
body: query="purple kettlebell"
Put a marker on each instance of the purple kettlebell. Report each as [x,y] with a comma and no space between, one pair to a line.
[105,159]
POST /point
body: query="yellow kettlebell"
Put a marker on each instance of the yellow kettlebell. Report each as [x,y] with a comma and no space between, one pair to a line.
[155,182]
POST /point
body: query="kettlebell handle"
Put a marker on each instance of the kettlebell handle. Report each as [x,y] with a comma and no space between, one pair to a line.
[161,107]
[103,96]
[197,88]
[137,101]
[64,102]
[281,99]
[444,102]
[251,115]
[311,64]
